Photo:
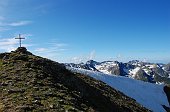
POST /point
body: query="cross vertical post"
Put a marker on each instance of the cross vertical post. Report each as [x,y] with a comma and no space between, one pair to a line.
[20,38]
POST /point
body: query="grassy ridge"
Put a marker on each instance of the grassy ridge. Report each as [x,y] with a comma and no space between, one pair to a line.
[32,83]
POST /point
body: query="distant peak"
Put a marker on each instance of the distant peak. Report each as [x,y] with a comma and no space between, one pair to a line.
[92,62]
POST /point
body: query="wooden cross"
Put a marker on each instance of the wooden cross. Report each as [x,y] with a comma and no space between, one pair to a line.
[20,38]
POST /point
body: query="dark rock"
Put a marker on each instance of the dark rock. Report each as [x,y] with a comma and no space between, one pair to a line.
[16,91]
[24,108]
[167,91]
[3,84]
[166,108]
[167,67]
[160,72]
[141,75]
[158,78]
[2,55]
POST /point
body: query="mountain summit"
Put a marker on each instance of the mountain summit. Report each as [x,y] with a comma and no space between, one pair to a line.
[33,83]
[22,50]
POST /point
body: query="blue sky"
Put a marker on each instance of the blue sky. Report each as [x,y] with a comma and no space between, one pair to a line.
[79,30]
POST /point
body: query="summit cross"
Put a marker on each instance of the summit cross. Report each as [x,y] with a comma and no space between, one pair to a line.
[20,38]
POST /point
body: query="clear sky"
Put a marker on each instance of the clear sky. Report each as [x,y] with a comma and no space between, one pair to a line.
[79,30]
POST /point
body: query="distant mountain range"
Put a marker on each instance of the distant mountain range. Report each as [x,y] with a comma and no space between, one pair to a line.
[145,71]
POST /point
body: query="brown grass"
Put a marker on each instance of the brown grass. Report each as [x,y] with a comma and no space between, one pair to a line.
[1,107]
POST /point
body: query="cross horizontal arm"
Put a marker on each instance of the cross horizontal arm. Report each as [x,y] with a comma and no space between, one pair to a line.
[19,38]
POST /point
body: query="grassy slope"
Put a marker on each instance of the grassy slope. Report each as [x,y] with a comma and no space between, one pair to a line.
[32,83]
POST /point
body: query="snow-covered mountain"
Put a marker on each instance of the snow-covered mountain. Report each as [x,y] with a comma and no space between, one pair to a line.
[151,96]
[148,72]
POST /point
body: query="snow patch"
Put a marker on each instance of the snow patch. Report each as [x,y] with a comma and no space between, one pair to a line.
[149,95]
[134,71]
[152,66]
[103,67]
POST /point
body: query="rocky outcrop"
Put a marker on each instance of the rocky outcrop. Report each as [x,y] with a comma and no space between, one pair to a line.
[22,50]
[167,91]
